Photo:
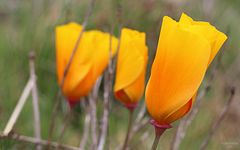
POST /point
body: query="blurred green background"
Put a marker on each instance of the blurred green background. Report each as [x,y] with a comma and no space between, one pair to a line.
[27,25]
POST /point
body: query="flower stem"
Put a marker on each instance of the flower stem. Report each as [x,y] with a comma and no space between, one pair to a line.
[159,130]
[155,143]
[129,129]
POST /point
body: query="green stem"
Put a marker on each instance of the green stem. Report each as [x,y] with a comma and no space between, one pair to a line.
[157,138]
[129,129]
[159,130]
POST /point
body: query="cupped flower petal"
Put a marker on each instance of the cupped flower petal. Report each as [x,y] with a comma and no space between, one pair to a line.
[183,55]
[214,37]
[89,61]
[131,67]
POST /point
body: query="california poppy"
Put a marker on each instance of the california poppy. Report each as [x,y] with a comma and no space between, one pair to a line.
[131,67]
[185,50]
[90,60]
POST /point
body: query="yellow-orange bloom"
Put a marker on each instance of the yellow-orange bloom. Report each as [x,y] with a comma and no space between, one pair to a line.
[185,50]
[131,67]
[90,59]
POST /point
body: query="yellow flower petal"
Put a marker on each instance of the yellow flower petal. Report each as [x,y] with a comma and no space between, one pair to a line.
[131,67]
[178,70]
[179,113]
[213,36]
[101,50]
[176,114]
[89,62]
[66,38]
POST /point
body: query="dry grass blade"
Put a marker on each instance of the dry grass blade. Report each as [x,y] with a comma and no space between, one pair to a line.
[57,103]
[93,111]
[36,112]
[108,79]
[86,126]
[27,139]
[18,108]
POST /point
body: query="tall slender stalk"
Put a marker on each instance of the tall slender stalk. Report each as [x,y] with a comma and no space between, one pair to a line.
[86,127]
[35,100]
[66,121]
[129,129]
[156,141]
[108,81]
[159,130]
[57,103]
[18,108]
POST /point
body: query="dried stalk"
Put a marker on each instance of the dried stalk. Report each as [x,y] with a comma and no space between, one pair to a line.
[27,139]
[54,115]
[216,124]
[140,122]
[130,121]
[93,111]
[108,79]
[86,126]
[57,103]
[18,108]
[67,118]
[93,122]
[141,114]
[36,112]
[137,127]
[91,5]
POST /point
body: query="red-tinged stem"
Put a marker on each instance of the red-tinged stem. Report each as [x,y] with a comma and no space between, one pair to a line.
[159,130]
[72,103]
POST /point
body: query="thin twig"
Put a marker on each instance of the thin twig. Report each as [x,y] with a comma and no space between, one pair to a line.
[54,115]
[139,123]
[18,108]
[141,139]
[66,70]
[141,114]
[86,126]
[93,111]
[67,118]
[144,137]
[93,121]
[108,79]
[36,112]
[217,123]
[137,127]
[35,141]
[91,5]
[129,130]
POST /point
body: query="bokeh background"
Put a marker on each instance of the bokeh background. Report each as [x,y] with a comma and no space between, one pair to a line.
[27,25]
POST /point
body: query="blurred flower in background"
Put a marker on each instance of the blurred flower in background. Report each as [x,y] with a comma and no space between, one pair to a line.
[131,67]
[88,63]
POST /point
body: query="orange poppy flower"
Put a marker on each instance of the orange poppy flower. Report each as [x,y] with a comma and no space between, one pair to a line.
[185,50]
[90,60]
[131,67]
